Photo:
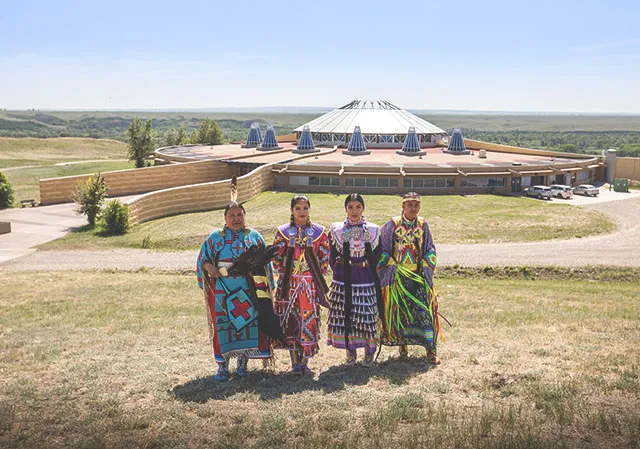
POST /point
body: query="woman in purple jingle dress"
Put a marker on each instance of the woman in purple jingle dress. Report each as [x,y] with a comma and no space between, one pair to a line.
[355,288]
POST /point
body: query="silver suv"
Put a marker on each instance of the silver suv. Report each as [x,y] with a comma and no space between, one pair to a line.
[539,192]
[561,191]
[586,190]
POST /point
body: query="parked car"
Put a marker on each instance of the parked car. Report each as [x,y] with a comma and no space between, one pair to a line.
[587,190]
[539,192]
[561,191]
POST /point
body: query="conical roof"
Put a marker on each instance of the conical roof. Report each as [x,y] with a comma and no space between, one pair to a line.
[456,143]
[373,117]
[357,142]
[254,137]
[270,142]
[411,143]
[305,143]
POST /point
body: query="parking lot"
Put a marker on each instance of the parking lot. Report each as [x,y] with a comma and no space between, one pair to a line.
[604,196]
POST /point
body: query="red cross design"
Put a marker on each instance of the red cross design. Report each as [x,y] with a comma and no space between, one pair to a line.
[237,246]
[240,309]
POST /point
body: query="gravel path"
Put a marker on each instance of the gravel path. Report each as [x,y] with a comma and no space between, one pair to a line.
[620,248]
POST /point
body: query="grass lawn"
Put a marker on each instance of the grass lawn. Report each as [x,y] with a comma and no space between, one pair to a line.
[26,161]
[122,359]
[30,151]
[452,219]
[26,181]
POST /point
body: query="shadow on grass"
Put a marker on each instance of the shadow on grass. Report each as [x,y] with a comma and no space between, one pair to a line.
[269,386]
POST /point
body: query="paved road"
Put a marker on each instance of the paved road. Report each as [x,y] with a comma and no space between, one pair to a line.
[620,248]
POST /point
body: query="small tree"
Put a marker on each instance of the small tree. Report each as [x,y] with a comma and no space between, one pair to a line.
[171,137]
[90,196]
[6,192]
[141,140]
[182,137]
[115,218]
[209,132]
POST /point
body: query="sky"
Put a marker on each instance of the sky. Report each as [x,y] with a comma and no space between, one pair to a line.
[548,56]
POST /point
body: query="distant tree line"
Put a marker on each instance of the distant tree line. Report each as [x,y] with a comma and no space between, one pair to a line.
[585,142]
[115,127]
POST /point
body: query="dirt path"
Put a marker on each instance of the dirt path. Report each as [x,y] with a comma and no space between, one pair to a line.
[621,248]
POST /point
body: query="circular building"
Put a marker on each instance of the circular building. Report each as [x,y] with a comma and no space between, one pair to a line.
[376,147]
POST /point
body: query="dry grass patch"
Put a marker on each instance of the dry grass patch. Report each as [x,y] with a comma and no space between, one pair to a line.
[122,359]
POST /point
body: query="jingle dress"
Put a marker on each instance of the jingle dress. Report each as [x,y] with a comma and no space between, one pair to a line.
[357,327]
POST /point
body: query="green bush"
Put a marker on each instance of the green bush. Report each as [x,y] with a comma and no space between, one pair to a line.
[90,196]
[6,192]
[115,218]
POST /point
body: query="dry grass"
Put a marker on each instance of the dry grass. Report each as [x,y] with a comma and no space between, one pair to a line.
[121,359]
[27,160]
[452,219]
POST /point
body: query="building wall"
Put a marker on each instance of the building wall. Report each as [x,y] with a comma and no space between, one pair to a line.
[140,180]
[199,197]
[628,167]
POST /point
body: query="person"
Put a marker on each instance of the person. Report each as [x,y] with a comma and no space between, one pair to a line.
[301,262]
[406,269]
[354,291]
[231,298]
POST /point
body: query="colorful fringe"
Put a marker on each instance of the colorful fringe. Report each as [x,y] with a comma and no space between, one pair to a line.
[399,318]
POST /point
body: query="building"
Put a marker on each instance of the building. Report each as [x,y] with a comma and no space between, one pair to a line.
[376,147]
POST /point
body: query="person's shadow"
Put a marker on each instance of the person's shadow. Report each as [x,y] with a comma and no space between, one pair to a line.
[269,386]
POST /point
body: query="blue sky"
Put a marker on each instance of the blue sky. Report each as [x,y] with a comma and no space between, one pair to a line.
[500,56]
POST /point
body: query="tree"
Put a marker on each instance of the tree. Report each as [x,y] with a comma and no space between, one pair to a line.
[90,196]
[209,133]
[141,140]
[171,137]
[182,137]
[6,192]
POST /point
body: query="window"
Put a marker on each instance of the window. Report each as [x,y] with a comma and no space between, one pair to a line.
[371,183]
[279,181]
[400,138]
[323,181]
[298,180]
[339,138]
[482,182]
[370,138]
[429,183]
[582,175]
[386,139]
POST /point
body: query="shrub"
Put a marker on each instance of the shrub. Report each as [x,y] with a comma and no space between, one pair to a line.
[90,196]
[6,192]
[115,218]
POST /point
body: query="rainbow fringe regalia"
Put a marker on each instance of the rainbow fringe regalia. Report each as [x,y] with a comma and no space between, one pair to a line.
[232,299]
[409,300]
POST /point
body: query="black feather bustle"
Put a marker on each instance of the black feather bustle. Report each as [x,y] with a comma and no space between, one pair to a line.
[286,277]
[316,272]
[268,322]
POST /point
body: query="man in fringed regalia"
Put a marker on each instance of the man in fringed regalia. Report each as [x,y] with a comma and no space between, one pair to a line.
[406,269]
[235,273]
